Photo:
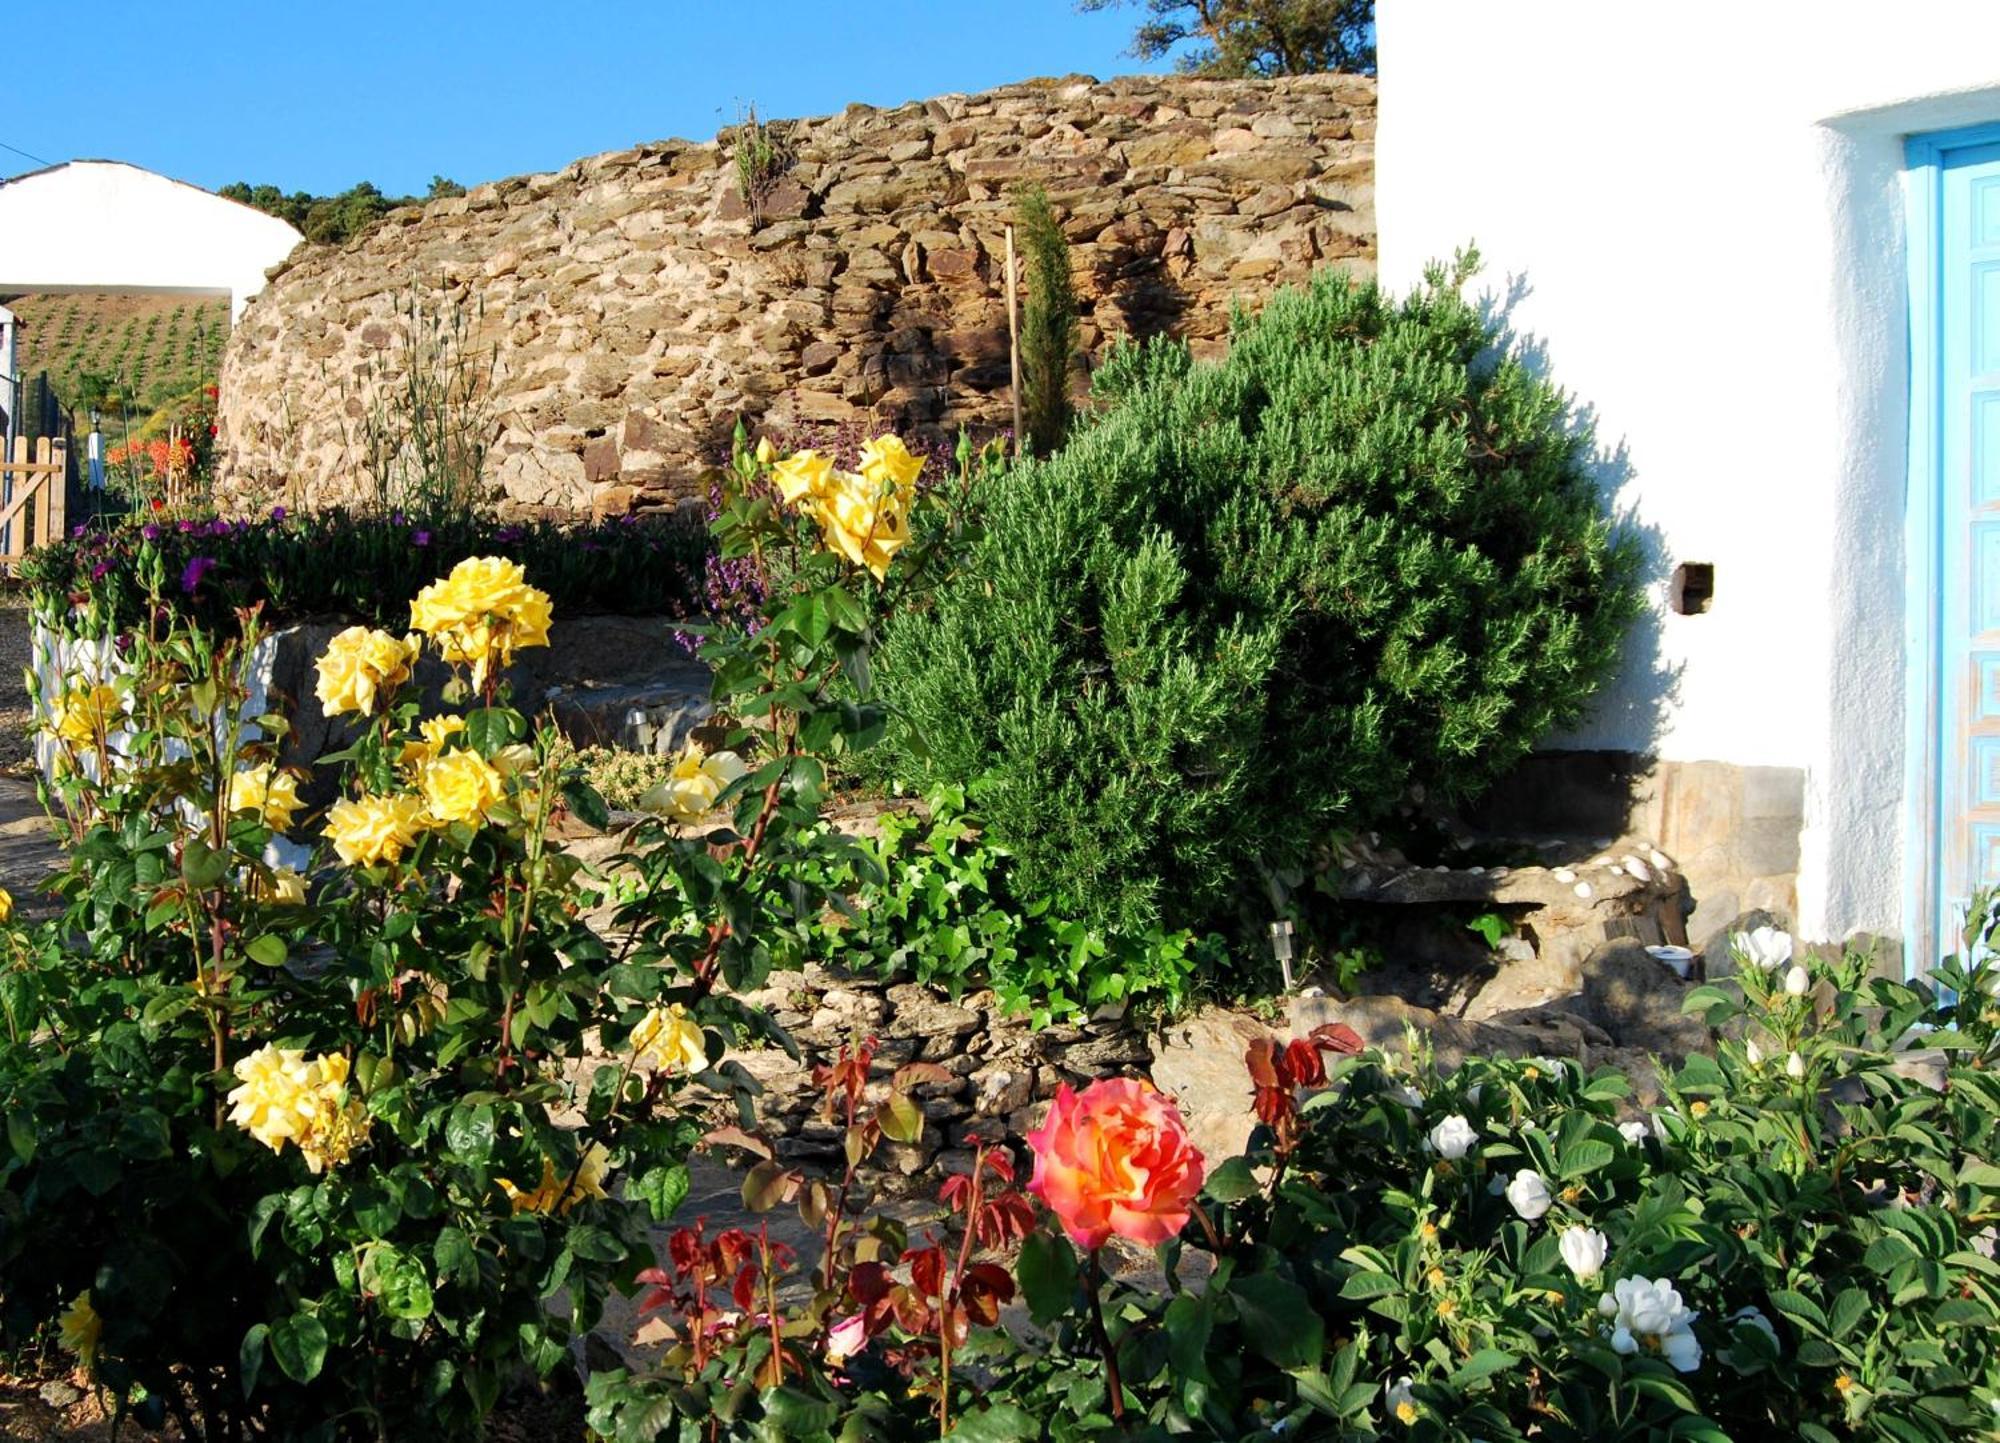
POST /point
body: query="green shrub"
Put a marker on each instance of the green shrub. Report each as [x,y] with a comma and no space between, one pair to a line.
[933,900]
[1257,600]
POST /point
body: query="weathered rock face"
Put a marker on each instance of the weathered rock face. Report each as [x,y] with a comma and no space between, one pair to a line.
[635,307]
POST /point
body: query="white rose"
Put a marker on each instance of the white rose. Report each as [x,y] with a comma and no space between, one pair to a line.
[1453,1138]
[1408,1096]
[1796,982]
[1753,1053]
[1585,1249]
[1633,1132]
[1795,1067]
[1528,1194]
[1766,947]
[1650,1315]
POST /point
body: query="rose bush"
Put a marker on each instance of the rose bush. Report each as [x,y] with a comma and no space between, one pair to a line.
[328,1128]
[1495,1255]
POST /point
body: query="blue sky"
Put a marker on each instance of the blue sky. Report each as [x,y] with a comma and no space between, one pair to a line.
[311,95]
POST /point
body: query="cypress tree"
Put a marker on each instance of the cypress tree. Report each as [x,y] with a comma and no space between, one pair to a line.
[1048,324]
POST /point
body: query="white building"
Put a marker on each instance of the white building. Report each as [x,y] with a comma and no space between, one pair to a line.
[1762,243]
[102,225]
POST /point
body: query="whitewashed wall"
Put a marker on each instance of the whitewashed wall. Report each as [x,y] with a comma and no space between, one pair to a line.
[100,225]
[1697,209]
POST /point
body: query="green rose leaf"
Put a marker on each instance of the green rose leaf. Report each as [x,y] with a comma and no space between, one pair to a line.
[1277,1319]
[250,1356]
[299,1345]
[1047,1270]
[396,1281]
[1002,1423]
[797,1413]
[1232,1182]
[588,805]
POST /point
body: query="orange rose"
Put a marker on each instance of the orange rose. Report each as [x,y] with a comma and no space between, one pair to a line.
[1115,1158]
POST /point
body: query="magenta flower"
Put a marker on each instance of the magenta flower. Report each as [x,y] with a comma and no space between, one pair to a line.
[196,570]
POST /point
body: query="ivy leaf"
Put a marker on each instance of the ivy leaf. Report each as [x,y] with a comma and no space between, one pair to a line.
[299,1345]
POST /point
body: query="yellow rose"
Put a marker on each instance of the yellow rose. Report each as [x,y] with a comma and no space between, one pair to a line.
[885,460]
[268,791]
[286,888]
[801,475]
[6,906]
[669,1040]
[83,714]
[766,452]
[865,522]
[481,612]
[374,829]
[556,1193]
[693,785]
[272,1101]
[362,668]
[432,735]
[81,1329]
[283,1097]
[461,786]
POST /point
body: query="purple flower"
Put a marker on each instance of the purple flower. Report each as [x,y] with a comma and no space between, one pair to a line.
[422,538]
[123,641]
[507,533]
[150,531]
[398,519]
[77,533]
[196,569]
[277,513]
[97,572]
[184,527]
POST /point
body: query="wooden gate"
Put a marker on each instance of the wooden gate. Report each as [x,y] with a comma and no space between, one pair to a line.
[34,487]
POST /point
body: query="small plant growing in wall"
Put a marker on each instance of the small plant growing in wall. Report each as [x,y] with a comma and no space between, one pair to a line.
[1048,324]
[761,157]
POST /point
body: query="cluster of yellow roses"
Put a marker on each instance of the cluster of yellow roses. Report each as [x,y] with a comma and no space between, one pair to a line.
[863,516]
[559,1192]
[285,1097]
[480,612]
[477,616]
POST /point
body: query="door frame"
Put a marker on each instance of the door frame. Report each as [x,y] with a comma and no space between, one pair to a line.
[1927,156]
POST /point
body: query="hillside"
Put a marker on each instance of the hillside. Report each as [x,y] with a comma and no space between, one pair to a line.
[147,348]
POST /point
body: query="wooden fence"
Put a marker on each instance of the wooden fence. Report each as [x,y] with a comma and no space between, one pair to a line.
[34,494]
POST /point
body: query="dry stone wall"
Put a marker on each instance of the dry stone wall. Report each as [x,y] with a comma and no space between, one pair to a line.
[634,306]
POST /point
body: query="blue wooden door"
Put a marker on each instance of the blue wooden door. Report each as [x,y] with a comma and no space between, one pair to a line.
[1966,703]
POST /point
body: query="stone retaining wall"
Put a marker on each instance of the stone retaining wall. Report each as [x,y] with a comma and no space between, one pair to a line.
[635,307]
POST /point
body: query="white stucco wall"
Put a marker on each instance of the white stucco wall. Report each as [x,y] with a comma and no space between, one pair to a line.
[99,225]
[1699,208]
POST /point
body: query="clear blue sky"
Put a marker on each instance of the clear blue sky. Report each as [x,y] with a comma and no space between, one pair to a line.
[313,95]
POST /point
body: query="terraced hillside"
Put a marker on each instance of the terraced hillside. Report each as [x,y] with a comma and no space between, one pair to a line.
[147,349]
